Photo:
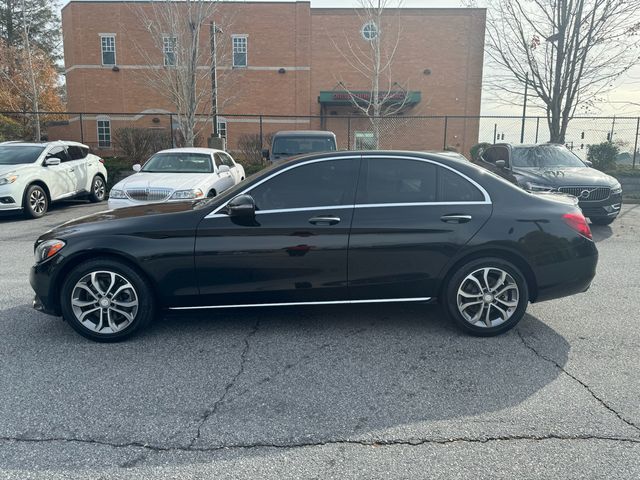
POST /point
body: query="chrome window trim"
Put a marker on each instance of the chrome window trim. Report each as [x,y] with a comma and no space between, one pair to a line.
[290,304]
[486,201]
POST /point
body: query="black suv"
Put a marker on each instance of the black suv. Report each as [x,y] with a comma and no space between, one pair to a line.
[554,168]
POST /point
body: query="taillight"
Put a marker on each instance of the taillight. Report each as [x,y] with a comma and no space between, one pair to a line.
[578,223]
[101,160]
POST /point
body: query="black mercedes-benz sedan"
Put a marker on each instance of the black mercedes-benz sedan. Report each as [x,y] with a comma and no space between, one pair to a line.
[338,227]
[551,167]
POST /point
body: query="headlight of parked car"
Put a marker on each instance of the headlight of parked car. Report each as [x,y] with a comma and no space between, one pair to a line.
[115,193]
[534,187]
[8,179]
[48,249]
[617,188]
[187,194]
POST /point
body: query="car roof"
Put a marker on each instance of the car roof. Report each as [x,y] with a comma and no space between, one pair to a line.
[43,144]
[208,151]
[445,157]
[527,145]
[304,133]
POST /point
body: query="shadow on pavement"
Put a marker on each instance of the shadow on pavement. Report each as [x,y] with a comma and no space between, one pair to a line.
[266,376]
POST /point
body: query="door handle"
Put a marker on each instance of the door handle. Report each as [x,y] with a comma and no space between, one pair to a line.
[72,169]
[324,220]
[456,218]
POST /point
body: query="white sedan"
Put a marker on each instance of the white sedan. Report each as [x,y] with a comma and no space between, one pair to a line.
[32,175]
[177,174]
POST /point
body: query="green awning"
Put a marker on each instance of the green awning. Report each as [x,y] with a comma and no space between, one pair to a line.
[345,98]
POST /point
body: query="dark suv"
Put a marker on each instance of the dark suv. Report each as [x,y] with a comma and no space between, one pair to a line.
[554,168]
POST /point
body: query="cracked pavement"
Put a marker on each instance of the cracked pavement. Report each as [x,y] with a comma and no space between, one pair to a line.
[384,391]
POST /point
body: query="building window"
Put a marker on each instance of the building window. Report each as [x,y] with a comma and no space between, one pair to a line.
[108,45]
[222,127]
[365,141]
[169,51]
[239,50]
[104,133]
[369,31]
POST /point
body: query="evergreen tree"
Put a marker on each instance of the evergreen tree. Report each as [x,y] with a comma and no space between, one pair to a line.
[44,24]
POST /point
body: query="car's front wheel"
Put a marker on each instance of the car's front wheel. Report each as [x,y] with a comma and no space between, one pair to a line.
[106,300]
[35,202]
[98,189]
[487,296]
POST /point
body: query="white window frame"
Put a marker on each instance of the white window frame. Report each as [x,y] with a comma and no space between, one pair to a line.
[370,27]
[169,41]
[103,37]
[108,143]
[239,38]
[222,126]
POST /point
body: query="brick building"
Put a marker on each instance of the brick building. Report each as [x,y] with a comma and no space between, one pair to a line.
[277,59]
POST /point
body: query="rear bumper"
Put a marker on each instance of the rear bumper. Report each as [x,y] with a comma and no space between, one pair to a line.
[561,279]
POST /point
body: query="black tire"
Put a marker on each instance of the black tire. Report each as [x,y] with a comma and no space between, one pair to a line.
[603,220]
[140,291]
[35,202]
[98,189]
[460,281]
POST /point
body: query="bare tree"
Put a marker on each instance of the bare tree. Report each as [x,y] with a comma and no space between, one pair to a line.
[372,56]
[179,62]
[569,52]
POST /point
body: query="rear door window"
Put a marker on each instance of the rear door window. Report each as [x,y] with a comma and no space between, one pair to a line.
[76,152]
[396,180]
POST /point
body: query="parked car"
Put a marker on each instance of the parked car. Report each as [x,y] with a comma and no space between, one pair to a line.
[287,144]
[33,175]
[177,174]
[348,227]
[554,168]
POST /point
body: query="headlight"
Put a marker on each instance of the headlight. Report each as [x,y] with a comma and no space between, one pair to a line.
[533,187]
[616,189]
[187,194]
[8,179]
[114,193]
[48,249]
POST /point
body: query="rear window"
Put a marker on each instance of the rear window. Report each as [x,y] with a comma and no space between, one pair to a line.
[296,145]
[17,154]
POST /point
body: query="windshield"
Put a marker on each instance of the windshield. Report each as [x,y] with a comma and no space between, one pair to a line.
[287,146]
[18,154]
[544,156]
[178,162]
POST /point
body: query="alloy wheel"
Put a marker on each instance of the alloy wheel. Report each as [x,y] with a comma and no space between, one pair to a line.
[488,297]
[98,188]
[104,302]
[37,201]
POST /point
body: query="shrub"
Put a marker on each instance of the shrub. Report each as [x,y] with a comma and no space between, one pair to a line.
[136,145]
[477,149]
[603,155]
[9,129]
[250,147]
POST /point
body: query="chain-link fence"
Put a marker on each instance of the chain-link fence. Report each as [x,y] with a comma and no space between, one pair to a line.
[246,135]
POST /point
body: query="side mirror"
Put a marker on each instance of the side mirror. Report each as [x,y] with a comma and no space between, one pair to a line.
[588,163]
[501,164]
[51,161]
[223,168]
[241,206]
[265,153]
[137,167]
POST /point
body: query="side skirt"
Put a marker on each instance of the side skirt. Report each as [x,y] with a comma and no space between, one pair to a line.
[289,304]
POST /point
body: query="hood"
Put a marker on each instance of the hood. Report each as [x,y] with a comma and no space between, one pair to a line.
[173,181]
[4,169]
[567,176]
[110,219]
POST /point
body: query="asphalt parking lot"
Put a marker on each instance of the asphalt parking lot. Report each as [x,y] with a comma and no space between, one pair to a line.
[389,391]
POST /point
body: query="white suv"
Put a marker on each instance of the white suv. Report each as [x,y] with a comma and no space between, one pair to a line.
[32,175]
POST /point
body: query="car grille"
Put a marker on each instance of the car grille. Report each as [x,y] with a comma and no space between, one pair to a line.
[587,194]
[149,194]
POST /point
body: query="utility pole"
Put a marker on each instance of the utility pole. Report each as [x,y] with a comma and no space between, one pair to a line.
[524,106]
[215,140]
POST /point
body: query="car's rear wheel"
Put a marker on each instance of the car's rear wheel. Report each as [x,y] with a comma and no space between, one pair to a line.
[35,202]
[487,296]
[602,220]
[98,189]
[106,300]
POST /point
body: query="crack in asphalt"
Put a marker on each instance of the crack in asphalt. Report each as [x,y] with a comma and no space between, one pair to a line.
[229,386]
[412,442]
[583,384]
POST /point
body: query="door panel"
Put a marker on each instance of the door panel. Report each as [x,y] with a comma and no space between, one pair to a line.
[277,257]
[62,179]
[410,218]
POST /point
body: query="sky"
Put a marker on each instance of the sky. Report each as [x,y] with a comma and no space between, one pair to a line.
[619,101]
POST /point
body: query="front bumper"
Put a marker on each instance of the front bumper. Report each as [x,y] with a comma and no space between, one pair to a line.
[602,209]
[42,280]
